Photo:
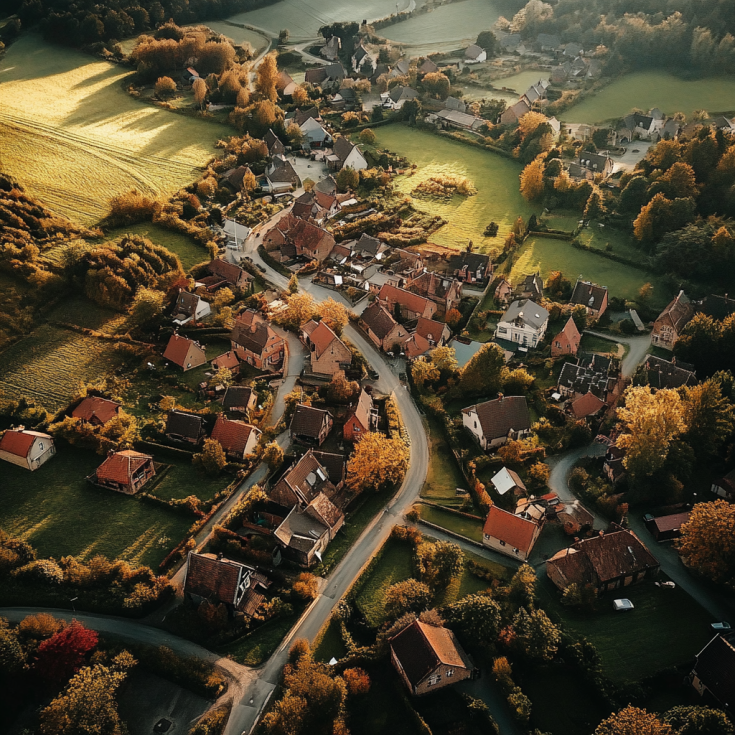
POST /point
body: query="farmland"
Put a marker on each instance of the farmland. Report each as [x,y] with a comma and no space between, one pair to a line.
[649,89]
[66,120]
[190,253]
[495,178]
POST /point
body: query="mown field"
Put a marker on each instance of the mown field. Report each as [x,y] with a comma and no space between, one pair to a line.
[72,135]
[495,178]
[190,252]
[648,89]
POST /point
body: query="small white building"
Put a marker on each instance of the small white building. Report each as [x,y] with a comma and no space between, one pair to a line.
[524,322]
[506,480]
[315,134]
[474,54]
[28,449]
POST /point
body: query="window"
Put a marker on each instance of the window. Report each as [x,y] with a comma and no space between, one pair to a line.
[515,551]
[40,445]
[450,672]
[558,344]
[475,424]
[434,679]
[502,543]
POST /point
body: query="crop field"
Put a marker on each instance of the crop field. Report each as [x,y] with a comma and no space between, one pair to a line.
[648,89]
[59,513]
[546,254]
[190,253]
[75,138]
[48,365]
[495,178]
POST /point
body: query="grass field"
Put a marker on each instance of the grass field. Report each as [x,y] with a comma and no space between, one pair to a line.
[648,89]
[190,253]
[57,511]
[239,35]
[72,135]
[468,527]
[443,477]
[592,343]
[546,254]
[183,480]
[495,178]
[85,313]
[666,628]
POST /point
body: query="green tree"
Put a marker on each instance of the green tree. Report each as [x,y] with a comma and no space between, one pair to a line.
[367,136]
[146,307]
[438,562]
[534,635]
[211,459]
[522,587]
[595,207]
[347,179]
[487,40]
[483,374]
[408,596]
[698,721]
[475,617]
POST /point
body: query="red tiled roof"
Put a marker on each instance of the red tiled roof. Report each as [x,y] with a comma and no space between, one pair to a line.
[19,441]
[412,301]
[232,435]
[586,405]
[121,466]
[379,320]
[430,329]
[678,312]
[227,360]
[212,578]
[671,522]
[571,332]
[321,337]
[517,532]
[416,346]
[96,407]
[177,349]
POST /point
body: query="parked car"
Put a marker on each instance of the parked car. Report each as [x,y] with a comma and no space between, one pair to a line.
[721,627]
[648,518]
[622,605]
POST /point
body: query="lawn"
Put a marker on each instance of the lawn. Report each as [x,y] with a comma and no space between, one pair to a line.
[648,89]
[547,254]
[85,313]
[443,476]
[498,198]
[190,253]
[330,644]
[183,480]
[666,628]
[59,513]
[592,343]
[467,527]
[74,137]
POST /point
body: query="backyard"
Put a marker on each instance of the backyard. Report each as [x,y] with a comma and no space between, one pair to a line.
[443,476]
[468,527]
[74,138]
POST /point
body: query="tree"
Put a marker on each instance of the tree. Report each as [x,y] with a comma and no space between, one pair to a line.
[12,655]
[424,371]
[534,635]
[410,595]
[652,421]
[522,587]
[532,180]
[300,96]
[439,562]
[211,459]
[678,182]
[595,208]
[61,656]
[367,136]
[538,476]
[306,586]
[633,721]
[445,358]
[707,541]
[698,721]
[529,122]
[437,84]
[483,374]
[347,179]
[87,705]
[709,418]
[488,41]
[223,377]
[165,87]
[273,455]
[200,92]
[357,680]
[475,617]
[334,315]
[293,284]
[580,317]
[300,309]
[295,134]
[283,36]
[266,78]
[453,318]
[147,305]
[377,462]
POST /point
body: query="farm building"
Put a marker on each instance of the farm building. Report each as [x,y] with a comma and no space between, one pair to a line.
[96,411]
[126,472]
[29,449]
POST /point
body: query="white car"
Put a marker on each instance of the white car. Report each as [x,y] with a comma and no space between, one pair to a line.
[622,605]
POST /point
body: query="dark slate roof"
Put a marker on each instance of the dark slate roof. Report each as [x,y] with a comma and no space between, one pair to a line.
[308,421]
[184,424]
[715,667]
[588,294]
[334,464]
[591,374]
[661,373]
[473,261]
[594,161]
[237,396]
[207,576]
[379,319]
[499,416]
[718,307]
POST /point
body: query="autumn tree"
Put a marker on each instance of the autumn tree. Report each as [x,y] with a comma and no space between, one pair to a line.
[698,721]
[438,562]
[357,680]
[522,587]
[266,79]
[453,318]
[410,595]
[40,626]
[273,455]
[633,721]
[445,358]
[165,87]
[595,207]
[211,460]
[678,182]
[293,284]
[532,180]
[377,462]
[200,92]
[538,476]
[528,123]
[61,656]
[424,371]
[299,310]
[347,179]
[645,292]
[437,84]
[341,390]
[12,655]
[534,635]
[334,315]
[709,418]
[483,374]
[146,307]
[306,586]
[367,136]
[300,96]
[475,617]
[707,541]
[652,421]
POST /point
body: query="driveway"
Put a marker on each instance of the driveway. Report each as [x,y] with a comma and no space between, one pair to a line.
[635,152]
[638,346]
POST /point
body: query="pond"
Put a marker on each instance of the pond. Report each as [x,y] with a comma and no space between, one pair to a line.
[648,89]
[495,178]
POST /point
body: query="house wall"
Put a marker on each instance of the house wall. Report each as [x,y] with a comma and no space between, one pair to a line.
[446,675]
[664,335]
[472,423]
[353,429]
[194,358]
[40,452]
[721,492]
[502,548]
[522,335]
[355,160]
[561,345]
[331,360]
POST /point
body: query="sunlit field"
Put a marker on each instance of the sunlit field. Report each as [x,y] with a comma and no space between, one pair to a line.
[239,35]
[519,83]
[648,89]
[74,138]
[496,179]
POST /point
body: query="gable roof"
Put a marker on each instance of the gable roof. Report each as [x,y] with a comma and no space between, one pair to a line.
[430,329]
[678,312]
[210,577]
[586,405]
[94,407]
[505,480]
[412,301]
[184,424]
[715,667]
[499,416]
[473,51]
[237,396]
[342,147]
[235,176]
[321,336]
[334,464]
[403,93]
[178,348]
[588,294]
[527,312]
[308,421]
[591,374]
[594,161]
[661,373]
[415,346]
[428,67]
[473,261]
[379,320]
[227,360]
[570,331]
[253,337]
[516,531]
[363,408]
[273,142]
[229,271]
[233,435]
[20,441]
[305,479]
[120,466]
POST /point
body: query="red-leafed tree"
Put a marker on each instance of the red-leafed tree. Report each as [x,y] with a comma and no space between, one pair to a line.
[62,655]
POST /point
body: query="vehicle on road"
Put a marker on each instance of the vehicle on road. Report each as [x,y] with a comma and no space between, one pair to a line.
[721,627]
[622,605]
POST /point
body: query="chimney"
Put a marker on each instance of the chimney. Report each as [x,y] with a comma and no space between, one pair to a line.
[219,556]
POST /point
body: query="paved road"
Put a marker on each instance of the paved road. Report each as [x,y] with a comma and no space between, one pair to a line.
[638,346]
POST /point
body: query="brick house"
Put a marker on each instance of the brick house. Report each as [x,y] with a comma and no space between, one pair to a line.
[307,239]
[361,418]
[255,342]
[184,427]
[567,341]
[96,411]
[494,422]
[222,273]
[509,534]
[185,353]
[435,333]
[713,675]
[305,479]
[591,296]
[29,449]
[328,353]
[382,328]
[445,292]
[227,360]
[126,472]
[409,305]
[237,438]
[669,323]
[311,425]
[428,658]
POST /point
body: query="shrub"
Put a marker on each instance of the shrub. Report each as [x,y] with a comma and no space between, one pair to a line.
[130,208]
[165,87]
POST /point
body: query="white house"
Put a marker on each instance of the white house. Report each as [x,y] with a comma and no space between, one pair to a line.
[29,449]
[346,155]
[474,54]
[190,307]
[524,322]
[494,422]
[315,134]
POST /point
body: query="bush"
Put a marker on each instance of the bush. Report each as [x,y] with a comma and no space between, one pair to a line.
[130,208]
[165,87]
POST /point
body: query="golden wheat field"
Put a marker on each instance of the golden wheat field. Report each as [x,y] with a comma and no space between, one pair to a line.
[74,138]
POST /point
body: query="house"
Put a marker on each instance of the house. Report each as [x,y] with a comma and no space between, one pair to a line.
[613,466]
[325,76]
[25,448]
[590,374]
[275,147]
[281,176]
[456,119]
[531,287]
[237,438]
[314,134]
[335,466]
[327,352]
[713,675]
[184,427]
[567,341]
[416,346]
[398,96]
[346,155]
[305,533]
[446,292]
[384,331]
[560,73]
[330,50]
[400,69]
[547,42]
[189,308]
[596,163]
[452,103]
[637,125]
[535,93]
[579,131]
[510,534]
[523,322]
[285,84]
[514,113]
[255,342]
[361,418]
[503,291]
[505,480]
[233,178]
[228,361]
[239,399]
[725,486]
[494,422]
[126,472]
[435,333]
[428,658]
[669,323]
[587,405]
[474,54]
[471,267]
[573,50]
[718,307]
[363,62]
[299,116]
[665,528]
[605,562]
[185,353]
[310,425]
[223,581]
[428,67]
[305,479]
[228,274]
[660,373]
[96,411]
[591,296]
[307,239]
[408,305]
